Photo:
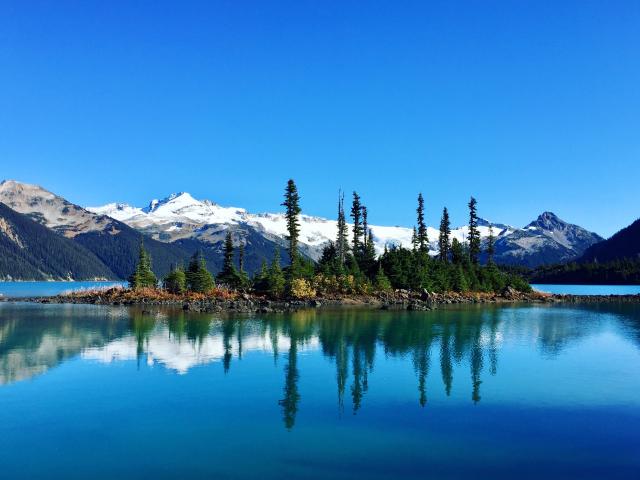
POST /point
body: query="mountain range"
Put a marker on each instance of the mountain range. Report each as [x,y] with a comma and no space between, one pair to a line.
[175,227]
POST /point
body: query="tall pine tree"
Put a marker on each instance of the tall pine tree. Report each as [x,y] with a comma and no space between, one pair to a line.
[474,234]
[228,274]
[241,257]
[422,237]
[444,244]
[292,206]
[227,265]
[368,261]
[342,242]
[356,212]
[365,226]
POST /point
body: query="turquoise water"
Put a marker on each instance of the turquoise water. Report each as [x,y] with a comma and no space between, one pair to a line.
[590,289]
[514,392]
[28,289]
[32,289]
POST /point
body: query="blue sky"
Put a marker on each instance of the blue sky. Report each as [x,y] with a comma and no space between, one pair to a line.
[527,105]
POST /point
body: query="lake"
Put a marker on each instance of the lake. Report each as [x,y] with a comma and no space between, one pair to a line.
[46,289]
[589,289]
[550,391]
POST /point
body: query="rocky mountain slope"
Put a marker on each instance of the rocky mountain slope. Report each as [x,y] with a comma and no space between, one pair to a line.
[116,244]
[546,240]
[31,251]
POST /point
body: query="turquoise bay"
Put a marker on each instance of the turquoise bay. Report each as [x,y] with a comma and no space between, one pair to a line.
[526,392]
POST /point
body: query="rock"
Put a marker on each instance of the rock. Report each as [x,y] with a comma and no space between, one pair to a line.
[425,296]
[509,292]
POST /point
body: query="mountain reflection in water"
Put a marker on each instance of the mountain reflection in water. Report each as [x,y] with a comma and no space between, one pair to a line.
[34,339]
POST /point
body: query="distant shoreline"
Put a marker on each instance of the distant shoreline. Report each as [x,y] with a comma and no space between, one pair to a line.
[250,303]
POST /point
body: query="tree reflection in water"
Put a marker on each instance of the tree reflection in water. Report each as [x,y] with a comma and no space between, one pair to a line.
[350,339]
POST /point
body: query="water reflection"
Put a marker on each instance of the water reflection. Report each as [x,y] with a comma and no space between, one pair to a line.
[34,339]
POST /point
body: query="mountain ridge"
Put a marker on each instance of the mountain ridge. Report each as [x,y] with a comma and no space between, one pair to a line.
[623,244]
[177,225]
[31,251]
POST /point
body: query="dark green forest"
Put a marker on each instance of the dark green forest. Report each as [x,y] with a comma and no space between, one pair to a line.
[617,272]
[30,250]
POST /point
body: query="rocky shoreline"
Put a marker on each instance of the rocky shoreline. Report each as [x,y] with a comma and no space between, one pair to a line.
[248,303]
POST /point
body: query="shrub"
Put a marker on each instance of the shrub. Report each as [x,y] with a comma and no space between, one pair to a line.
[301,288]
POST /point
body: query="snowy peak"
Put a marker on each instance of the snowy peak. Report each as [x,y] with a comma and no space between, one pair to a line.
[549,221]
[498,228]
[547,239]
[172,213]
[175,201]
[179,216]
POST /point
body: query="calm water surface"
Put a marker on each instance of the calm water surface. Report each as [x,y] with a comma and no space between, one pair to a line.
[590,289]
[516,392]
[33,289]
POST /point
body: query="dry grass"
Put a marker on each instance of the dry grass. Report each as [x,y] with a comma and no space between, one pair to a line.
[126,295]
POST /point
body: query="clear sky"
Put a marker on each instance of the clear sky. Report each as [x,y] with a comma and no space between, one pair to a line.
[527,105]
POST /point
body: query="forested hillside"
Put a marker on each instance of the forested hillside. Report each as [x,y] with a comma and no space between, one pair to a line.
[624,244]
[30,251]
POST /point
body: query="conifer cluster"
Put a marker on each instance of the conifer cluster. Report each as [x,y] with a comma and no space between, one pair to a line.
[347,265]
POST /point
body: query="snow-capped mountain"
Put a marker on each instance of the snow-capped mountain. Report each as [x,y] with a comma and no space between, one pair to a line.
[547,239]
[180,216]
[180,225]
[113,242]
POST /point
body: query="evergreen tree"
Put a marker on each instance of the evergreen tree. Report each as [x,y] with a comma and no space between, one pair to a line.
[414,239]
[356,212]
[228,275]
[261,279]
[368,260]
[276,281]
[143,276]
[292,206]
[381,281]
[342,243]
[474,234]
[422,237]
[445,233]
[457,252]
[176,281]
[329,263]
[460,283]
[227,265]
[491,246]
[365,226]
[241,258]
[199,279]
